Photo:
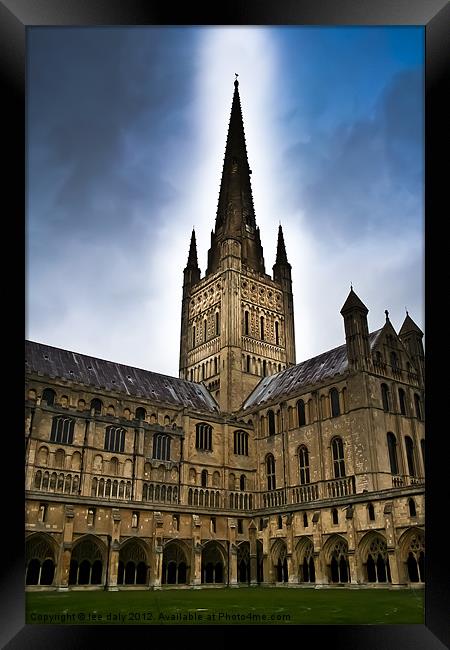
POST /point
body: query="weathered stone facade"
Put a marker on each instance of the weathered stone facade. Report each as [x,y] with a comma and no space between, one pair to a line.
[249,468]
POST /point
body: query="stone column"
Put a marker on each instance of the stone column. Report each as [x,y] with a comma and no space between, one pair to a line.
[253,554]
[113,566]
[352,568]
[196,563]
[320,569]
[233,566]
[65,551]
[395,568]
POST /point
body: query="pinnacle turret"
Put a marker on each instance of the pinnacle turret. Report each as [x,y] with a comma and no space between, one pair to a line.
[192,262]
[281,248]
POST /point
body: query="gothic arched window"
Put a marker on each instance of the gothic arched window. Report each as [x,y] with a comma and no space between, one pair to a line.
[301,415]
[62,430]
[402,400]
[48,396]
[303,461]
[203,436]
[115,439]
[161,446]
[418,405]
[412,508]
[334,399]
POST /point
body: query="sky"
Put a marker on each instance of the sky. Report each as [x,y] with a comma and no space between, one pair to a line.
[126,133]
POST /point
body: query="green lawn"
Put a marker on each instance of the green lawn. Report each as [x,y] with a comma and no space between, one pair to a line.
[243,606]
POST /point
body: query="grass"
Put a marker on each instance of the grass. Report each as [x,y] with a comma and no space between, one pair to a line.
[243,606]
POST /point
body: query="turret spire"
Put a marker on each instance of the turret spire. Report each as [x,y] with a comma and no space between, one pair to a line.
[235,218]
[192,262]
[281,248]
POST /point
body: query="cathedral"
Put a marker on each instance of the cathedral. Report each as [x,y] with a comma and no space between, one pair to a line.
[247,469]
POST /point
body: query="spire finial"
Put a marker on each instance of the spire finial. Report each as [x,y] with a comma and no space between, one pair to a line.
[387,314]
[351,286]
[406,309]
[236,82]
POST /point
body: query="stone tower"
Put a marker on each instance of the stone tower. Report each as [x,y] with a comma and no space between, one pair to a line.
[237,323]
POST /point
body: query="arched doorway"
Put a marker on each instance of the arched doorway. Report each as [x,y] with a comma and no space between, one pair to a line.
[87,562]
[174,566]
[213,564]
[133,564]
[39,561]
[336,558]
[305,560]
[279,559]
[412,545]
[375,559]
[243,562]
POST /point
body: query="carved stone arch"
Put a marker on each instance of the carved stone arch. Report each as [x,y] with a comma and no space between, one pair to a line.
[304,551]
[279,560]
[89,546]
[75,461]
[134,549]
[335,554]
[42,455]
[40,555]
[374,557]
[213,562]
[175,562]
[412,554]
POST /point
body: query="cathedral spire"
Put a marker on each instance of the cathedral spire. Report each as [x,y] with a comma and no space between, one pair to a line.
[235,218]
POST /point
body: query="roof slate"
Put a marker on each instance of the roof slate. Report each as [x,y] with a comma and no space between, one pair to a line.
[100,374]
[313,371]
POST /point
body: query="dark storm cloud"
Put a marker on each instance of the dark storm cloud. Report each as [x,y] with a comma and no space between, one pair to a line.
[102,107]
[365,175]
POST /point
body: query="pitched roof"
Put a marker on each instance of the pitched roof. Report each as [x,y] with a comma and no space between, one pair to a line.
[291,380]
[100,374]
[409,326]
[353,301]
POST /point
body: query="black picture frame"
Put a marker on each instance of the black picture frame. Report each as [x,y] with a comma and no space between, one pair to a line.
[15,17]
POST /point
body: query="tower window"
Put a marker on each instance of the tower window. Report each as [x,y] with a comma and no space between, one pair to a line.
[337,448]
[402,400]
[217,324]
[335,516]
[418,406]
[264,365]
[412,508]
[248,363]
[385,397]
[246,324]
[371,512]
[240,526]
[213,524]
[204,478]
[305,520]
[204,329]
[277,333]
[280,521]
[410,455]
[261,324]
[392,448]
[270,471]
[303,458]
[242,482]
[394,360]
